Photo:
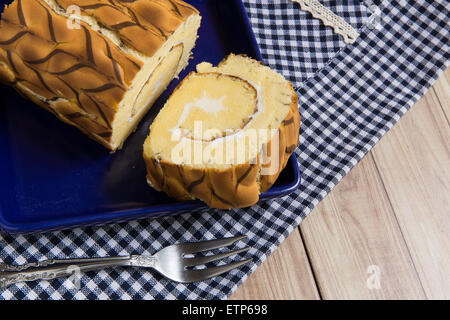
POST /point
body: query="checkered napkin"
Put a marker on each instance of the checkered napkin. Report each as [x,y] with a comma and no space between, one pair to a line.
[350,95]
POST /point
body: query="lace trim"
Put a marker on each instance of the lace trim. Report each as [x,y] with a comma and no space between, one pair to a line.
[339,25]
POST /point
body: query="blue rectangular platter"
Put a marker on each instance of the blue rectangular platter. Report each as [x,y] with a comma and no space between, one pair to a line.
[53,177]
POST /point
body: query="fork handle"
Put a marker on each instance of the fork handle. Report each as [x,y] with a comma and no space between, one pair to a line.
[51,269]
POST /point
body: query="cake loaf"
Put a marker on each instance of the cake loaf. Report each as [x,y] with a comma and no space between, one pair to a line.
[224,135]
[96,64]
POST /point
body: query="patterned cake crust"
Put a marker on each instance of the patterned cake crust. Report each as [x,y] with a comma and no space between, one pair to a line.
[80,74]
[135,20]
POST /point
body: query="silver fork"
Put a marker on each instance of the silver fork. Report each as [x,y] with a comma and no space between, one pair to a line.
[170,261]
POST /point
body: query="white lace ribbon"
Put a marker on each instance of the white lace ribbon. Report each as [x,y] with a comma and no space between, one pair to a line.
[329,18]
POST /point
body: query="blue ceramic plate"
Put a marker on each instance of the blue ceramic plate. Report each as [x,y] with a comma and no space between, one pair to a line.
[53,177]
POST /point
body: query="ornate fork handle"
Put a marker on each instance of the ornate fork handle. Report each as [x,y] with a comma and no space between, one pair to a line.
[51,269]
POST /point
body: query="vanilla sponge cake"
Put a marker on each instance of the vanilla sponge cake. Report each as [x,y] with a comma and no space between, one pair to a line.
[224,135]
[96,64]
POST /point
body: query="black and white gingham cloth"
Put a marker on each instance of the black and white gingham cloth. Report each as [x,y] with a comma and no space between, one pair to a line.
[350,95]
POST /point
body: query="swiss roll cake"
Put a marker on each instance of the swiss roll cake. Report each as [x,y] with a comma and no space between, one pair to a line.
[96,64]
[224,135]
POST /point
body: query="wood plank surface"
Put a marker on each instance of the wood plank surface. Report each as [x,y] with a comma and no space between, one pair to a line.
[442,90]
[286,275]
[355,245]
[390,214]
[414,163]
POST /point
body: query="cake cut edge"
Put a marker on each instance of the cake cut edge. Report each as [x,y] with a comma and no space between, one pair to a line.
[237,186]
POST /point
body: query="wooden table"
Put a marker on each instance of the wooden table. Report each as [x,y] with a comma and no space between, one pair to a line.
[384,230]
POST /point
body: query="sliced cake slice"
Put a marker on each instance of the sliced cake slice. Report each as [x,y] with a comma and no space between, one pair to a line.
[96,64]
[224,135]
